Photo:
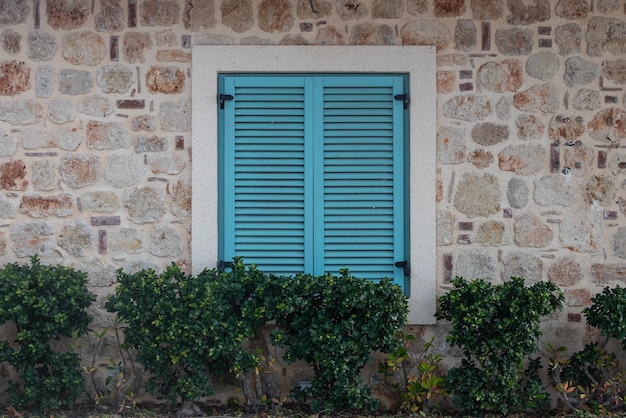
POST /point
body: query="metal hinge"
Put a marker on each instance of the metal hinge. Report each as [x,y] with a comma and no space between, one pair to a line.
[404,98]
[405,265]
[223,97]
[223,265]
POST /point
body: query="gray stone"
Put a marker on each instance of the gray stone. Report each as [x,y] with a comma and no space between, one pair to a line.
[150,144]
[586,99]
[371,34]
[606,35]
[581,231]
[487,9]
[165,241]
[445,227]
[126,240]
[167,38]
[569,38]
[123,169]
[41,46]
[106,135]
[579,72]
[387,9]
[619,242]
[96,105]
[111,17]
[351,9]
[523,160]
[614,70]
[135,43]
[13,12]
[44,175]
[530,231]
[565,271]
[238,15]
[555,190]
[143,123]
[517,193]
[7,210]
[500,77]
[523,13]
[159,13]
[572,9]
[276,16]
[76,238]
[465,35]
[99,274]
[101,201]
[492,233]
[426,32]
[529,126]
[543,65]
[503,108]
[181,199]
[10,41]
[522,264]
[74,82]
[543,98]
[8,144]
[467,107]
[67,139]
[144,204]
[599,190]
[80,170]
[478,195]
[61,111]
[135,266]
[22,112]
[514,41]
[44,81]
[607,6]
[166,164]
[83,48]
[199,14]
[417,7]
[33,238]
[115,78]
[307,10]
[451,145]
[489,133]
[175,116]
[476,263]
[579,159]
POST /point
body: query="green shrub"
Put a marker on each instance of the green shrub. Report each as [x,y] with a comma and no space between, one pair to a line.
[497,327]
[44,303]
[608,312]
[334,323]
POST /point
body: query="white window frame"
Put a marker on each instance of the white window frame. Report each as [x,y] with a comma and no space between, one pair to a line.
[417,61]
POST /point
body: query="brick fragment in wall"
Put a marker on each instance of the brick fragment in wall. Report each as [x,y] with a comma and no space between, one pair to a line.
[568,37]
[67,14]
[446,221]
[492,233]
[476,263]
[199,14]
[426,32]
[41,46]
[522,264]
[371,34]
[305,9]
[33,238]
[527,13]
[500,77]
[105,220]
[581,231]
[478,195]
[159,13]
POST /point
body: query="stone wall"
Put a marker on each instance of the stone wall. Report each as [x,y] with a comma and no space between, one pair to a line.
[95,130]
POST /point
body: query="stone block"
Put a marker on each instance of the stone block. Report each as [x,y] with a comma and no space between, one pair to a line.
[577,298]
[44,81]
[277,15]
[554,190]
[181,199]
[124,169]
[572,9]
[608,123]
[175,116]
[67,139]
[14,78]
[83,48]
[489,133]
[329,36]
[417,7]
[33,238]
[586,99]
[44,176]
[135,44]
[569,38]
[581,231]
[115,78]
[144,204]
[445,227]
[517,192]
[426,32]
[394,9]
[481,158]
[74,82]
[522,264]
[96,105]
[529,126]
[199,14]
[67,14]
[451,145]
[604,273]
[468,107]
[21,112]
[165,241]
[478,195]
[543,98]
[527,13]
[61,111]
[60,206]
[371,34]
[41,46]
[476,263]
[13,175]
[76,238]
[500,77]
[7,210]
[111,17]
[579,72]
[606,35]
[8,144]
[106,135]
[168,80]
[101,201]
[530,231]
[615,70]
[487,9]
[126,240]
[492,233]
[599,189]
[166,164]
[159,13]
[14,12]
[543,65]
[449,8]
[514,41]
[80,170]
[523,160]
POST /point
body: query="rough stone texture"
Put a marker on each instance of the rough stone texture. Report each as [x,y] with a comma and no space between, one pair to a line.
[23,112]
[389,9]
[451,145]
[606,35]
[181,199]
[503,108]
[126,240]
[329,36]
[61,111]
[172,55]
[67,139]
[106,135]
[143,123]
[478,195]
[306,9]
[135,266]
[522,264]
[607,273]
[489,133]
[76,238]
[351,9]
[80,170]
[530,231]
[608,123]
[572,9]
[144,204]
[123,169]
[446,221]
[276,16]
[599,189]
[111,17]
[159,13]
[7,210]
[168,80]
[417,7]
[96,105]
[10,41]
[167,164]
[41,46]
[579,159]
[115,78]
[615,71]
[543,65]
[449,8]
[199,14]
[8,145]
[619,242]
[569,38]
[44,176]
[294,40]
[426,32]
[529,126]
[13,12]
[150,144]
[33,238]
[500,77]
[576,298]
[491,233]
[175,116]
[555,190]
[83,48]
[44,81]
[14,78]
[481,158]
[527,13]
[517,193]
[74,82]
[514,41]
[543,98]
[581,232]
[566,128]
[67,14]
[523,160]
[476,263]
[135,44]
[371,34]
[100,274]
[579,72]
[13,175]
[487,9]
[446,81]
[165,241]
[101,201]
[467,107]
[586,99]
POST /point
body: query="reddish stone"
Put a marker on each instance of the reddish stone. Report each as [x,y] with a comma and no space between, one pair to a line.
[572,9]
[565,271]
[42,206]
[166,80]
[445,81]
[565,128]
[329,36]
[608,123]
[135,44]
[12,175]
[14,78]
[67,14]
[275,15]
[439,186]
[577,297]
[480,158]
[449,8]
[500,77]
